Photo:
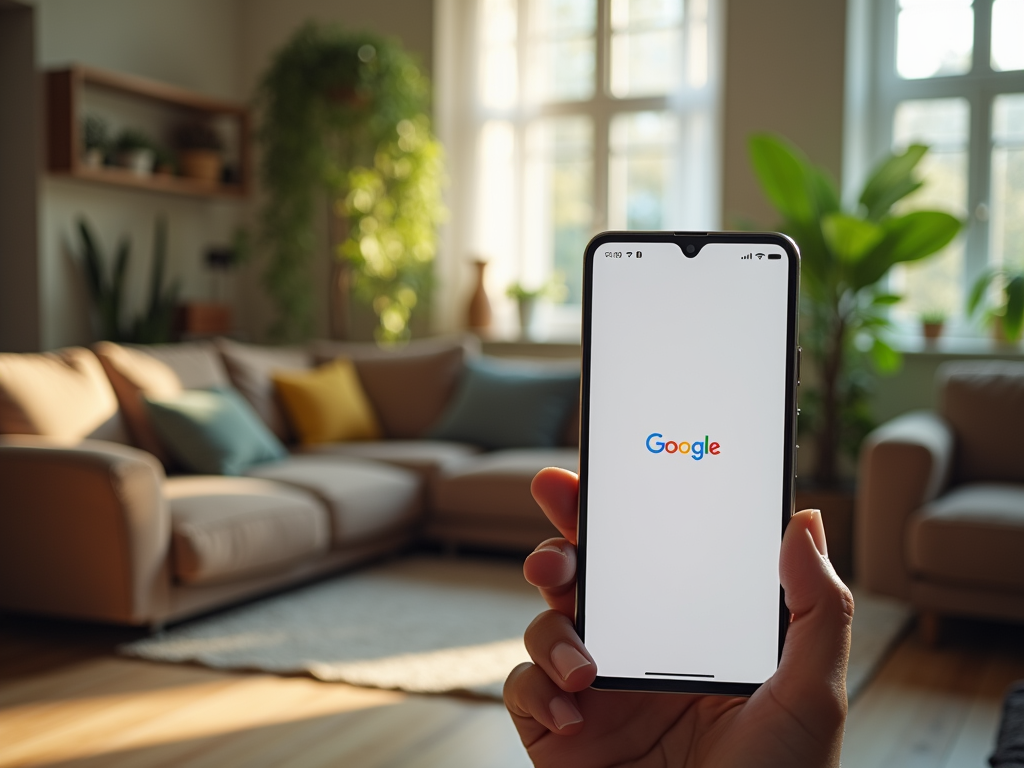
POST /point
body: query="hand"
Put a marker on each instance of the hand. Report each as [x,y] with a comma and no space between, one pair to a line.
[795,719]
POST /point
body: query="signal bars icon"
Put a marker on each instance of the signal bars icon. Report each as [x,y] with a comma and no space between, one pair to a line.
[748,256]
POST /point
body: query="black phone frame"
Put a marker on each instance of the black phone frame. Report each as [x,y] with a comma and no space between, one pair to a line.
[698,240]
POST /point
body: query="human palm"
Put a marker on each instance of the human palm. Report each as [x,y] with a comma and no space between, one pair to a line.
[796,718]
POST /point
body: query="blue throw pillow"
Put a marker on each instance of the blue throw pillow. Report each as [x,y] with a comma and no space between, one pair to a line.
[213,431]
[501,405]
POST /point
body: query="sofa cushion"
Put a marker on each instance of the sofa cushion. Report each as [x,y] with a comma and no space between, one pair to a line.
[498,484]
[160,370]
[250,367]
[327,404]
[365,499]
[984,403]
[974,535]
[228,527]
[213,431]
[427,458]
[501,404]
[410,386]
[63,395]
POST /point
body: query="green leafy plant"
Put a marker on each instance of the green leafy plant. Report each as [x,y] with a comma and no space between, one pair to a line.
[347,114]
[845,256]
[131,140]
[554,289]
[933,317]
[155,324]
[95,134]
[1006,316]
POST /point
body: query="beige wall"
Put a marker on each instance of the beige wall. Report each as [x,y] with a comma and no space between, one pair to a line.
[784,72]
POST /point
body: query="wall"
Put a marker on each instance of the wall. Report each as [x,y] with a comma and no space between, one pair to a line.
[195,44]
[784,72]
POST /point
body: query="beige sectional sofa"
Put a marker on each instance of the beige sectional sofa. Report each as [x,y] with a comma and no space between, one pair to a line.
[97,523]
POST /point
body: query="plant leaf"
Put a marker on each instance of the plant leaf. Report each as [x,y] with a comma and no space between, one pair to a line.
[885,358]
[907,238]
[785,176]
[978,290]
[1013,320]
[850,238]
[93,262]
[892,180]
[886,299]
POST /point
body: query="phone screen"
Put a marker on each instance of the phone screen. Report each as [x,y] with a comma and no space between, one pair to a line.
[685,476]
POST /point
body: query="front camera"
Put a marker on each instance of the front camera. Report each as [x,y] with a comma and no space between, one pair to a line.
[691,251]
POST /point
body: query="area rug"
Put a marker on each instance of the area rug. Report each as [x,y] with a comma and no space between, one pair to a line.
[421,624]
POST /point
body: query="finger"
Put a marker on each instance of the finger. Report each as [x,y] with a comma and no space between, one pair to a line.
[538,706]
[556,491]
[811,679]
[555,647]
[551,567]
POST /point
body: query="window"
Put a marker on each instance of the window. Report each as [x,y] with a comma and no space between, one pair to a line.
[950,74]
[564,118]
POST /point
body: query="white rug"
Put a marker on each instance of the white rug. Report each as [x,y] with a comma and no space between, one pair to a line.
[422,624]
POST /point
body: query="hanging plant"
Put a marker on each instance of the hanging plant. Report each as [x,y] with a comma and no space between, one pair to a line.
[347,114]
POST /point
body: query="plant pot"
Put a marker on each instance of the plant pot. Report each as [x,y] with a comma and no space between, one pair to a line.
[527,306]
[931,331]
[201,164]
[138,161]
[93,158]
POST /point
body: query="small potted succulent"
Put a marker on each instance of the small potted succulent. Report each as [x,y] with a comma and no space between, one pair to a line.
[526,299]
[200,152]
[135,151]
[96,141]
[1004,315]
[932,323]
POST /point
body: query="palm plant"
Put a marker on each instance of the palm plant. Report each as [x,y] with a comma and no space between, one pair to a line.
[1007,316]
[846,256]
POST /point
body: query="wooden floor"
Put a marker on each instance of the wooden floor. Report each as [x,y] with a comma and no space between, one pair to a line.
[67,700]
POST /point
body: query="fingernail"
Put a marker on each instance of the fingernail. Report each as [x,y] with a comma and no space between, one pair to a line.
[549,548]
[563,713]
[567,659]
[817,531]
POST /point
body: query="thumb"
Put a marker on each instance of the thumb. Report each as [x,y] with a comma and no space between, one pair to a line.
[811,679]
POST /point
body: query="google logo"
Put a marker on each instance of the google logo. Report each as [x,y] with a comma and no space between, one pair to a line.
[697,450]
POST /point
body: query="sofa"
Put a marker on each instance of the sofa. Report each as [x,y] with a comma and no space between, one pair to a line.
[940,502]
[98,522]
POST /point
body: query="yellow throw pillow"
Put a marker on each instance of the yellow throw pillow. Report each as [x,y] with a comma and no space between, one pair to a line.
[328,404]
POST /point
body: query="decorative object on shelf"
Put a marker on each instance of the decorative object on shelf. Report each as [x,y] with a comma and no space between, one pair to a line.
[478,314]
[845,256]
[527,298]
[1005,315]
[164,162]
[155,324]
[348,113]
[96,141]
[135,151]
[932,324]
[200,152]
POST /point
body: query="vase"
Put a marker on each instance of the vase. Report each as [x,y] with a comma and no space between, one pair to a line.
[479,315]
[138,161]
[201,164]
[527,306]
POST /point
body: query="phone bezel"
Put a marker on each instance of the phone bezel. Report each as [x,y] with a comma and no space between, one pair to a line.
[699,239]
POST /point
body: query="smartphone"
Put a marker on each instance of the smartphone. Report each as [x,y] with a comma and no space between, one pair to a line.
[687,457]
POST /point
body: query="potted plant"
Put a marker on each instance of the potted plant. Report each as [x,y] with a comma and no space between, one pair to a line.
[527,298]
[200,152]
[96,140]
[348,115]
[932,323]
[135,151]
[846,255]
[1005,316]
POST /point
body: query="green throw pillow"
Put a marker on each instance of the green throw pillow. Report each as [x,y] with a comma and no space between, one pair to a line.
[502,405]
[213,431]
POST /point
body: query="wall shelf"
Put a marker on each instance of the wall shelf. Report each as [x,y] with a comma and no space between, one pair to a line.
[64,97]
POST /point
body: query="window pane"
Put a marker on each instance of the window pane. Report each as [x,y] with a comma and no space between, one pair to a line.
[1007,31]
[934,38]
[640,170]
[646,47]
[936,284]
[562,49]
[499,80]
[494,221]
[1007,233]
[558,201]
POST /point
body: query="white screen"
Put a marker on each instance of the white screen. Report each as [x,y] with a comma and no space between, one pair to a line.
[683,553]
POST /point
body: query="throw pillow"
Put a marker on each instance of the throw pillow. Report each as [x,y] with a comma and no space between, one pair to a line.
[213,431]
[328,404]
[509,406]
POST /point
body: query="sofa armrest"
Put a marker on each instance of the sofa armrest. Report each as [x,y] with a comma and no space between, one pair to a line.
[84,530]
[903,464]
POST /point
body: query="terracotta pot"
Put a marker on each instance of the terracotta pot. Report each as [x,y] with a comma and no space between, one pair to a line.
[478,317]
[931,331]
[201,164]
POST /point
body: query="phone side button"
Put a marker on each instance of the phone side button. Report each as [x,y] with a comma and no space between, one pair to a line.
[796,461]
[799,355]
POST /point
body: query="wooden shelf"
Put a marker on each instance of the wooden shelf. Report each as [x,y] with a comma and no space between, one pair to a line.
[64,89]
